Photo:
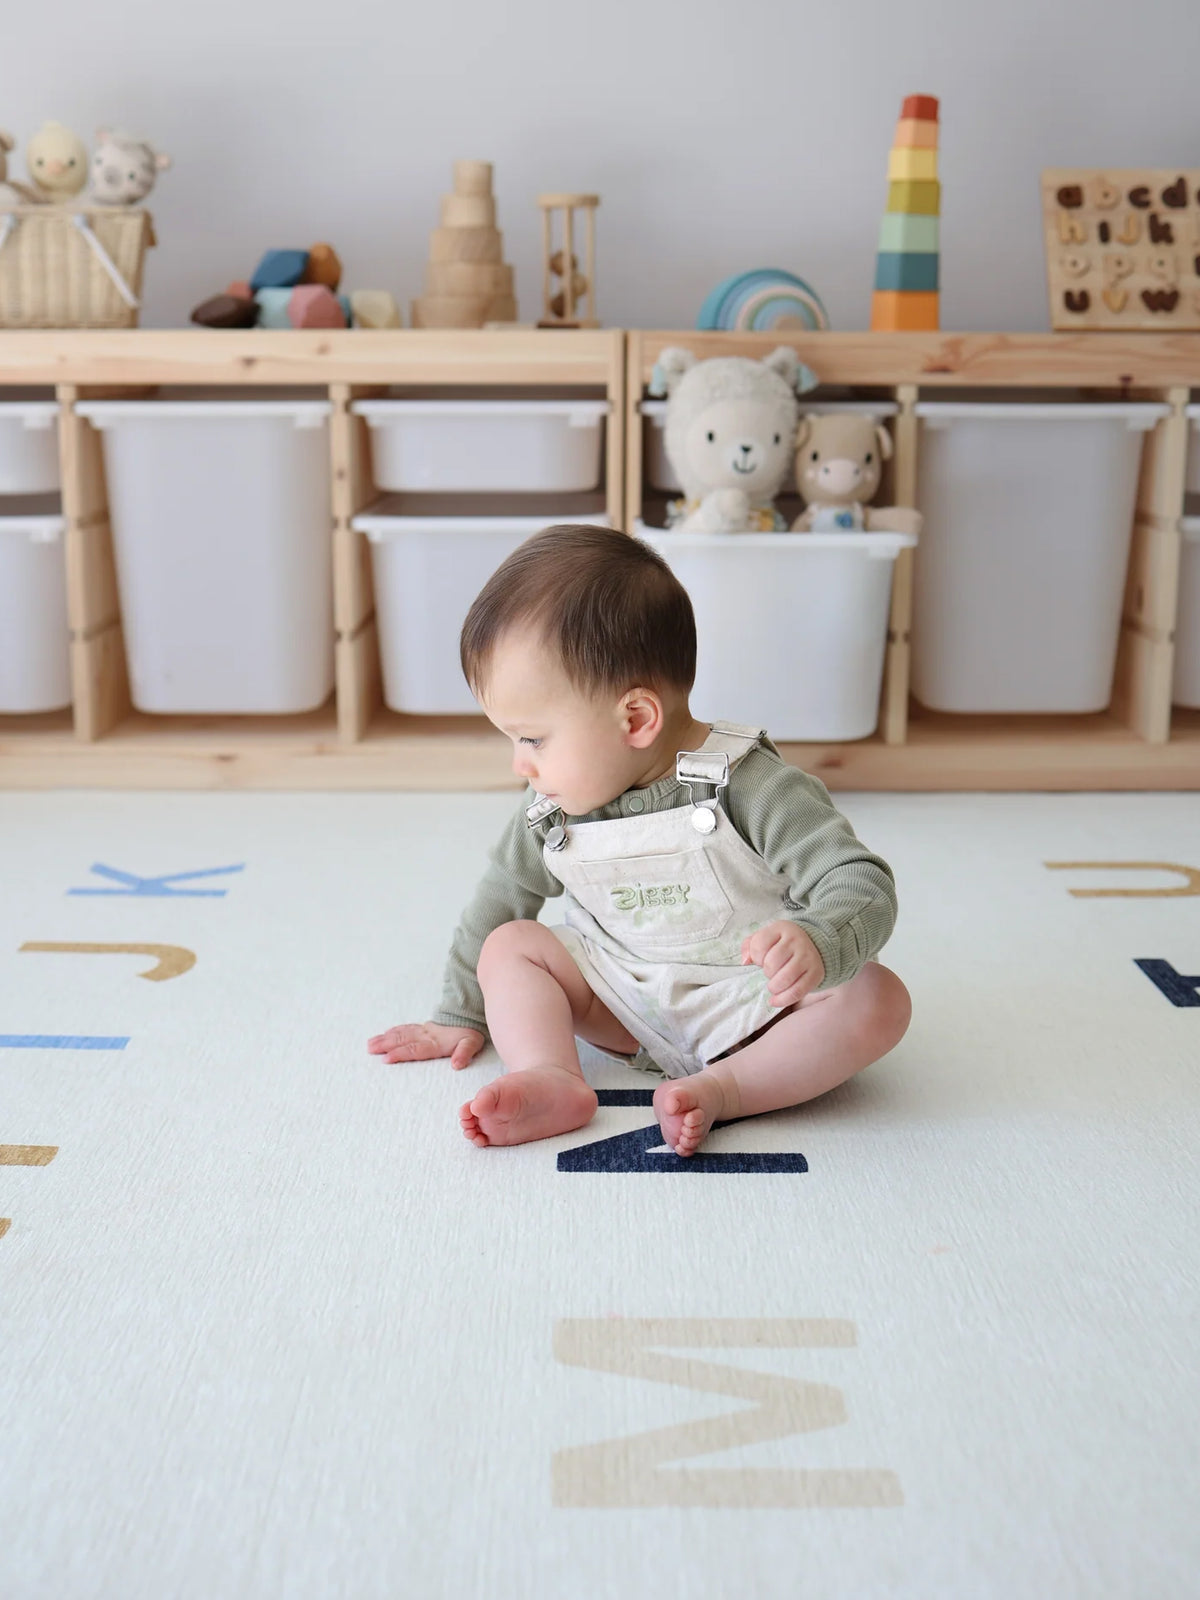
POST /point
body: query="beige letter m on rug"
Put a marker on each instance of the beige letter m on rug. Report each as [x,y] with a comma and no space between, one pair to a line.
[631,1471]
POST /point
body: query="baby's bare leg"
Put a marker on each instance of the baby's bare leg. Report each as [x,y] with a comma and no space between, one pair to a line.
[834,1034]
[536,1001]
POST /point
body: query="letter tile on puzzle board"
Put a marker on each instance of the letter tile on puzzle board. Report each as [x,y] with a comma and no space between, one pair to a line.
[1122,247]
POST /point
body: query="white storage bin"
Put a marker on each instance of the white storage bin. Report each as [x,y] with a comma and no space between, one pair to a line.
[428,570]
[28,444]
[1185,690]
[1193,455]
[222,530]
[791,627]
[35,662]
[1021,572]
[660,474]
[485,445]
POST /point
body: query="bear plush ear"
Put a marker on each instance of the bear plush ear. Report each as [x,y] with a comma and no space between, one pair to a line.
[885,443]
[791,369]
[671,365]
[162,162]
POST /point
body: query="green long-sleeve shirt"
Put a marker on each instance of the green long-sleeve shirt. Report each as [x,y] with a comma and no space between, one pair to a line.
[842,895]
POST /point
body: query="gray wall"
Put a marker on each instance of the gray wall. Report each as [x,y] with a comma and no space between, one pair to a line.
[721,136]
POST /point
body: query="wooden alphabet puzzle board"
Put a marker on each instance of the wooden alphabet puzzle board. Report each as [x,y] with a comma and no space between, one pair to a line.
[1122,247]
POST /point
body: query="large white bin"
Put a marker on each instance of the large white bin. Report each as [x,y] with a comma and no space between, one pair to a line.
[485,445]
[1021,572]
[28,444]
[35,663]
[427,571]
[1185,689]
[791,627]
[222,530]
[659,472]
[1193,455]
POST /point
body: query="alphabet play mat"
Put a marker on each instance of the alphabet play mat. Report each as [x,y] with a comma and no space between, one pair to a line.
[269,1326]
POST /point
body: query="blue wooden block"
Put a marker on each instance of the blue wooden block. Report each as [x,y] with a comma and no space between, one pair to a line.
[344,302]
[912,271]
[279,269]
[273,308]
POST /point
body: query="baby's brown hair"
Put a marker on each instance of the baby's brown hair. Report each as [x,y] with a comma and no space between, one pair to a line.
[607,604]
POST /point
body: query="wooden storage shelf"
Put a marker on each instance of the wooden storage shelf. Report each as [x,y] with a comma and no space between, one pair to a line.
[355,743]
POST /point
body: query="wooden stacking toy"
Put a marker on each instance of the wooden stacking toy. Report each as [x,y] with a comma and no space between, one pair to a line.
[467,281]
[561,266]
[906,269]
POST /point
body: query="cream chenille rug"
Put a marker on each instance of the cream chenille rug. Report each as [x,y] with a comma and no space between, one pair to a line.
[270,1326]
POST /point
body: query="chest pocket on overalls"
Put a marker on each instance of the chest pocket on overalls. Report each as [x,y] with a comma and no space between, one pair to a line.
[655,903]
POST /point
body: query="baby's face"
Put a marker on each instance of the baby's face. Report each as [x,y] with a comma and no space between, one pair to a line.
[569,746]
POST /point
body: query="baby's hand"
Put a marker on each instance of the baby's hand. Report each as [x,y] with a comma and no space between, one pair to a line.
[789,958]
[421,1041]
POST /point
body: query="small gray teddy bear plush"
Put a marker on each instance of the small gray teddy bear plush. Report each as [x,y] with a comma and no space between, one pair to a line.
[124,169]
[730,432]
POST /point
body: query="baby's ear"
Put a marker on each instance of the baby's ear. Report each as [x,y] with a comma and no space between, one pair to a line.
[671,365]
[7,142]
[885,443]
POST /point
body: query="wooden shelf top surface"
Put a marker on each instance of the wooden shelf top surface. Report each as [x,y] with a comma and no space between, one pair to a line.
[547,356]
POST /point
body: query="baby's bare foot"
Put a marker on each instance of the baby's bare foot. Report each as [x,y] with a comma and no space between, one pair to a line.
[686,1109]
[535,1103]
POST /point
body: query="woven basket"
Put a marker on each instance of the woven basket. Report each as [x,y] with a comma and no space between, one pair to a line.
[72,269]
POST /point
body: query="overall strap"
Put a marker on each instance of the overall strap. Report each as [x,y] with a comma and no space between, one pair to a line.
[710,766]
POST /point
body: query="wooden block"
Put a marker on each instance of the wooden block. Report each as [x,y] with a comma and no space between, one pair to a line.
[906,271]
[894,311]
[502,309]
[450,311]
[375,308]
[473,177]
[273,308]
[279,269]
[240,289]
[468,277]
[915,197]
[912,133]
[468,211]
[314,305]
[901,234]
[921,107]
[323,266]
[909,163]
[466,244]
[225,311]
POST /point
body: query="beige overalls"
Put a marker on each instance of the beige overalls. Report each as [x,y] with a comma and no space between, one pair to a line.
[657,906]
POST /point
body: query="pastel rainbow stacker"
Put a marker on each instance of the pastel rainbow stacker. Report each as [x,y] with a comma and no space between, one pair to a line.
[906,269]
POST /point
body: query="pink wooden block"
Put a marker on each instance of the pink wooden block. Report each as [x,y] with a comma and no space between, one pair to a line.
[313,305]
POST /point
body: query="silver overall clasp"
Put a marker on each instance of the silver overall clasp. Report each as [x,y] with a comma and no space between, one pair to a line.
[709,769]
[554,838]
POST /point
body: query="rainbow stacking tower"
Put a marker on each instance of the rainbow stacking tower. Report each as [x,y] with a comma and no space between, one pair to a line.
[906,271]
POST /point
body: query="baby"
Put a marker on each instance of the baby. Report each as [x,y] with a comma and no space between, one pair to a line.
[721,916]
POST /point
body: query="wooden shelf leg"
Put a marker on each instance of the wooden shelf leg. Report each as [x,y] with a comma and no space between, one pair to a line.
[894,709]
[356,638]
[1146,652]
[99,675]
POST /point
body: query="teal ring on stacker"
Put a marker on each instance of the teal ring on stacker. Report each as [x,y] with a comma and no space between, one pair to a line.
[911,271]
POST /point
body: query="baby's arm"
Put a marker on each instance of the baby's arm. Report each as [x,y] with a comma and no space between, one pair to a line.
[513,888]
[841,894]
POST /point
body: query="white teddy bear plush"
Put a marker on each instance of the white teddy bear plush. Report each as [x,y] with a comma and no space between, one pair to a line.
[730,433]
[124,169]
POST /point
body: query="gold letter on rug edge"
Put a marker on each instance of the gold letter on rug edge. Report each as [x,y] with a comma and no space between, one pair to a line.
[172,959]
[1191,875]
[629,1471]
